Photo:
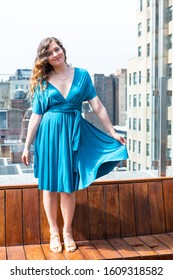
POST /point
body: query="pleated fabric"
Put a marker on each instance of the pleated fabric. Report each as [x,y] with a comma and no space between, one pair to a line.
[70,153]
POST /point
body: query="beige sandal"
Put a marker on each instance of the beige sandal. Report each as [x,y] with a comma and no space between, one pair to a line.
[69,243]
[55,243]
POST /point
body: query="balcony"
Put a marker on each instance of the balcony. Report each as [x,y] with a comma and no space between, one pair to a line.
[114,219]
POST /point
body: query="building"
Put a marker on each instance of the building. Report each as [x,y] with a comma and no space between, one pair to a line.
[121,97]
[106,90]
[149,88]
[13,107]
[4,94]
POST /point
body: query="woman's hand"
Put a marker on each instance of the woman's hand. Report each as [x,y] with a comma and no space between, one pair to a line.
[102,114]
[26,157]
[121,139]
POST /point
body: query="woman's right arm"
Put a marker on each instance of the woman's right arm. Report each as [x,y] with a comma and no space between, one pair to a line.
[32,130]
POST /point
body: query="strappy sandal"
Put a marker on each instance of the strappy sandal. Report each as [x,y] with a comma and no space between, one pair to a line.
[69,243]
[55,243]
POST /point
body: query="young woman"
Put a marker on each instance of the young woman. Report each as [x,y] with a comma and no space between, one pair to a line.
[70,153]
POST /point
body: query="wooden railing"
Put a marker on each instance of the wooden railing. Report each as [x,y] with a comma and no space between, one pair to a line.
[106,209]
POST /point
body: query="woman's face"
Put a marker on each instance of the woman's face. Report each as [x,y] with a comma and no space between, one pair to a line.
[55,54]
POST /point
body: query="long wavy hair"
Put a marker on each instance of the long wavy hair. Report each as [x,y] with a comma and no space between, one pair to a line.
[41,67]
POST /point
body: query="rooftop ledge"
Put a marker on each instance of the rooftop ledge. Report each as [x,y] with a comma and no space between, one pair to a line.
[114,177]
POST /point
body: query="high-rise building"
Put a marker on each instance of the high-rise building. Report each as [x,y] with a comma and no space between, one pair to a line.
[150,86]
[121,97]
[106,90]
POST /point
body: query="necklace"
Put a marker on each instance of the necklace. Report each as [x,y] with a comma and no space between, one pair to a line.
[62,78]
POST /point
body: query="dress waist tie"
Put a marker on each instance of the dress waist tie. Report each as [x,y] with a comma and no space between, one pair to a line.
[76,130]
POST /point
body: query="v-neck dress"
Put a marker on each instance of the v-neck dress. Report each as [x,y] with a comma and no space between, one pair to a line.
[70,153]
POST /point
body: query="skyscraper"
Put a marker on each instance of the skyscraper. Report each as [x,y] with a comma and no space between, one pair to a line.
[150,88]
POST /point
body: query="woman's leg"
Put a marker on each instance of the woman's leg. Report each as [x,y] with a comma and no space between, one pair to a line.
[51,205]
[67,208]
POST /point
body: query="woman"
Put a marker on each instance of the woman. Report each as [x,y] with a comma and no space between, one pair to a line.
[70,153]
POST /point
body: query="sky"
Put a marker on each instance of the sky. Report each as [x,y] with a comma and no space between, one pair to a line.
[99,35]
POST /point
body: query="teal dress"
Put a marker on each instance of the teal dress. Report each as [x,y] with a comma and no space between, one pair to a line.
[70,153]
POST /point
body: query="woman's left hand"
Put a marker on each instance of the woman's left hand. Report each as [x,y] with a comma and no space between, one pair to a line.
[121,139]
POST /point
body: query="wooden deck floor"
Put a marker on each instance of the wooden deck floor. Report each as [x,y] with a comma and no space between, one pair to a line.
[150,247]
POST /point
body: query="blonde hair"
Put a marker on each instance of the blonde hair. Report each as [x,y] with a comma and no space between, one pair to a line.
[42,68]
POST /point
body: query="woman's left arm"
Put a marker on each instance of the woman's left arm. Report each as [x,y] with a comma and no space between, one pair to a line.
[102,114]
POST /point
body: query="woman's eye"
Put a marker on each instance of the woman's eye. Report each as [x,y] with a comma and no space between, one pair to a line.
[49,53]
[57,50]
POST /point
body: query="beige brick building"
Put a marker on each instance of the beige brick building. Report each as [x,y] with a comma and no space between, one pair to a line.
[149,88]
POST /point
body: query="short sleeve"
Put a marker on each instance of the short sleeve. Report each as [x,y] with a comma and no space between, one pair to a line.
[39,103]
[90,90]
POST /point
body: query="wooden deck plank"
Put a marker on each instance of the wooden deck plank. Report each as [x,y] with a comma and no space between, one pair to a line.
[16,253]
[34,252]
[170,234]
[142,214]
[106,250]
[81,216]
[96,212]
[112,211]
[127,210]
[88,251]
[157,215]
[31,218]
[50,255]
[76,255]
[124,249]
[14,234]
[2,218]
[3,255]
[165,239]
[143,250]
[162,250]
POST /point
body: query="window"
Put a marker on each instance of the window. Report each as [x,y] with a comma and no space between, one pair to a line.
[140,5]
[129,164]
[169,127]
[169,13]
[139,29]
[140,75]
[147,125]
[134,146]
[139,166]
[148,99]
[170,41]
[130,79]
[147,149]
[130,123]
[168,154]
[139,51]
[148,25]
[130,100]
[134,78]
[139,100]
[134,124]
[148,49]
[169,71]
[3,120]
[139,124]
[169,99]
[130,144]
[139,147]
[134,166]
[148,3]
[148,75]
[134,100]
